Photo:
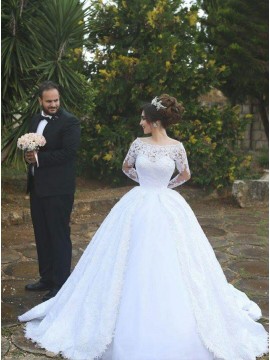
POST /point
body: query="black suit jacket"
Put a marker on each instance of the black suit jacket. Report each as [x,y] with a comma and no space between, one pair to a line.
[55,174]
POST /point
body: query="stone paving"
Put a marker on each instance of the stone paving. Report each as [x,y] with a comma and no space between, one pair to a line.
[238,236]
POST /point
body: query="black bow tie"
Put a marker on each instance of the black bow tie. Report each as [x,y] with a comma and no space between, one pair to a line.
[47,118]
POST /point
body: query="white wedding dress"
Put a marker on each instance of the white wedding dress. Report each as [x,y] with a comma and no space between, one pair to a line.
[148,286]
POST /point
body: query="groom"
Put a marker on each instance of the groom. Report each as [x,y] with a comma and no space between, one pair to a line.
[51,183]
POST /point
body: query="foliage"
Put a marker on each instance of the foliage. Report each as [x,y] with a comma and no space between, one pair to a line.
[17,53]
[103,149]
[141,49]
[211,137]
[37,46]
[263,158]
[237,31]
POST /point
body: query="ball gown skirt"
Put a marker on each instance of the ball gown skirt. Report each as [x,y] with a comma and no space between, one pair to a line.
[148,287]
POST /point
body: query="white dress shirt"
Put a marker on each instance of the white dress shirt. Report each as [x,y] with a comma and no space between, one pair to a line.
[40,129]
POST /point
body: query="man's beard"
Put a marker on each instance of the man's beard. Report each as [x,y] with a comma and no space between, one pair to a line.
[50,111]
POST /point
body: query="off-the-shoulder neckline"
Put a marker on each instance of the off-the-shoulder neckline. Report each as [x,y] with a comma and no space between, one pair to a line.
[167,145]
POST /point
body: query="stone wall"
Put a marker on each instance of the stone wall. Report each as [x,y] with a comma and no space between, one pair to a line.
[254,136]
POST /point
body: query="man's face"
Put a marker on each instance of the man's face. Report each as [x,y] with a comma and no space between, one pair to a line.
[50,101]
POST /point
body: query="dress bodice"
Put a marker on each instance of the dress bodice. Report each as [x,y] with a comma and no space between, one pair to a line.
[154,173]
[153,165]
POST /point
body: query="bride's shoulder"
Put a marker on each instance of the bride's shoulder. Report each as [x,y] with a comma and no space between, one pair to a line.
[147,140]
[143,139]
[175,142]
[137,143]
[140,141]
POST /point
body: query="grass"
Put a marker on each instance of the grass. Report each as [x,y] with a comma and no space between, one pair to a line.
[263,158]
[262,229]
[259,163]
[245,274]
[6,331]
[12,172]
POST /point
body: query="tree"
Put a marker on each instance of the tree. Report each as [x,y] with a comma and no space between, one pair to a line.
[237,31]
[140,49]
[41,40]
[145,47]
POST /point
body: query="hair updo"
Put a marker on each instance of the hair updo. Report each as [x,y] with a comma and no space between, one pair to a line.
[169,116]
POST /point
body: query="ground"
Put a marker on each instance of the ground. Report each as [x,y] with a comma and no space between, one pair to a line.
[238,236]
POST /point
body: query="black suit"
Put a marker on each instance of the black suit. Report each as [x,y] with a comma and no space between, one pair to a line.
[52,190]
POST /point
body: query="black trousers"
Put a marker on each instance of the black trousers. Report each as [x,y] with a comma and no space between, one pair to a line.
[51,217]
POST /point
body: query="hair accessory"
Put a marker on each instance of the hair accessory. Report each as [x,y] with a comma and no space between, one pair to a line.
[157,103]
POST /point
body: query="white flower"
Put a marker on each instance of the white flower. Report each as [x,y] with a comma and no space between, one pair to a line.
[157,103]
[31,141]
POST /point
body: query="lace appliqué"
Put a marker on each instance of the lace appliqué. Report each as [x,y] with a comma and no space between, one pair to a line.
[209,284]
[154,153]
[129,162]
[103,301]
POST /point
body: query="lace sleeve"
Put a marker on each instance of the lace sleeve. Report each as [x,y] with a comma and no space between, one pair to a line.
[129,162]
[181,163]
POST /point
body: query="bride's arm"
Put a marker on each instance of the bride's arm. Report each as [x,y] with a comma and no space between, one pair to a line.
[129,162]
[182,167]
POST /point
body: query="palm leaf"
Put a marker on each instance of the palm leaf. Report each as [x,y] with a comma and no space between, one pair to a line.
[44,50]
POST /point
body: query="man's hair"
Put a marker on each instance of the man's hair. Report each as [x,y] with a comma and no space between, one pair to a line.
[47,85]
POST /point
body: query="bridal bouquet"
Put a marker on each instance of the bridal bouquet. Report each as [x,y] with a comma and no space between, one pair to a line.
[31,142]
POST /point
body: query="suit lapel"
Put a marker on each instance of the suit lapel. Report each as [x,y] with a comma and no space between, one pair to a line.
[50,126]
[35,123]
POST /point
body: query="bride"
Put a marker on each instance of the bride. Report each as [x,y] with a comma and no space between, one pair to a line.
[148,286]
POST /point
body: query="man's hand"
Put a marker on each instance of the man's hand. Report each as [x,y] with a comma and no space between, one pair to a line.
[30,157]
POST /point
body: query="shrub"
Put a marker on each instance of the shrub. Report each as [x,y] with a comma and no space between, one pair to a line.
[210,136]
[263,158]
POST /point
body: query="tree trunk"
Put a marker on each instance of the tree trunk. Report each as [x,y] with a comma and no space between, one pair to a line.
[264,117]
[251,107]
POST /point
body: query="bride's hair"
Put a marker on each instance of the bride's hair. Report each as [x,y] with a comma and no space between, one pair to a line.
[166,109]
